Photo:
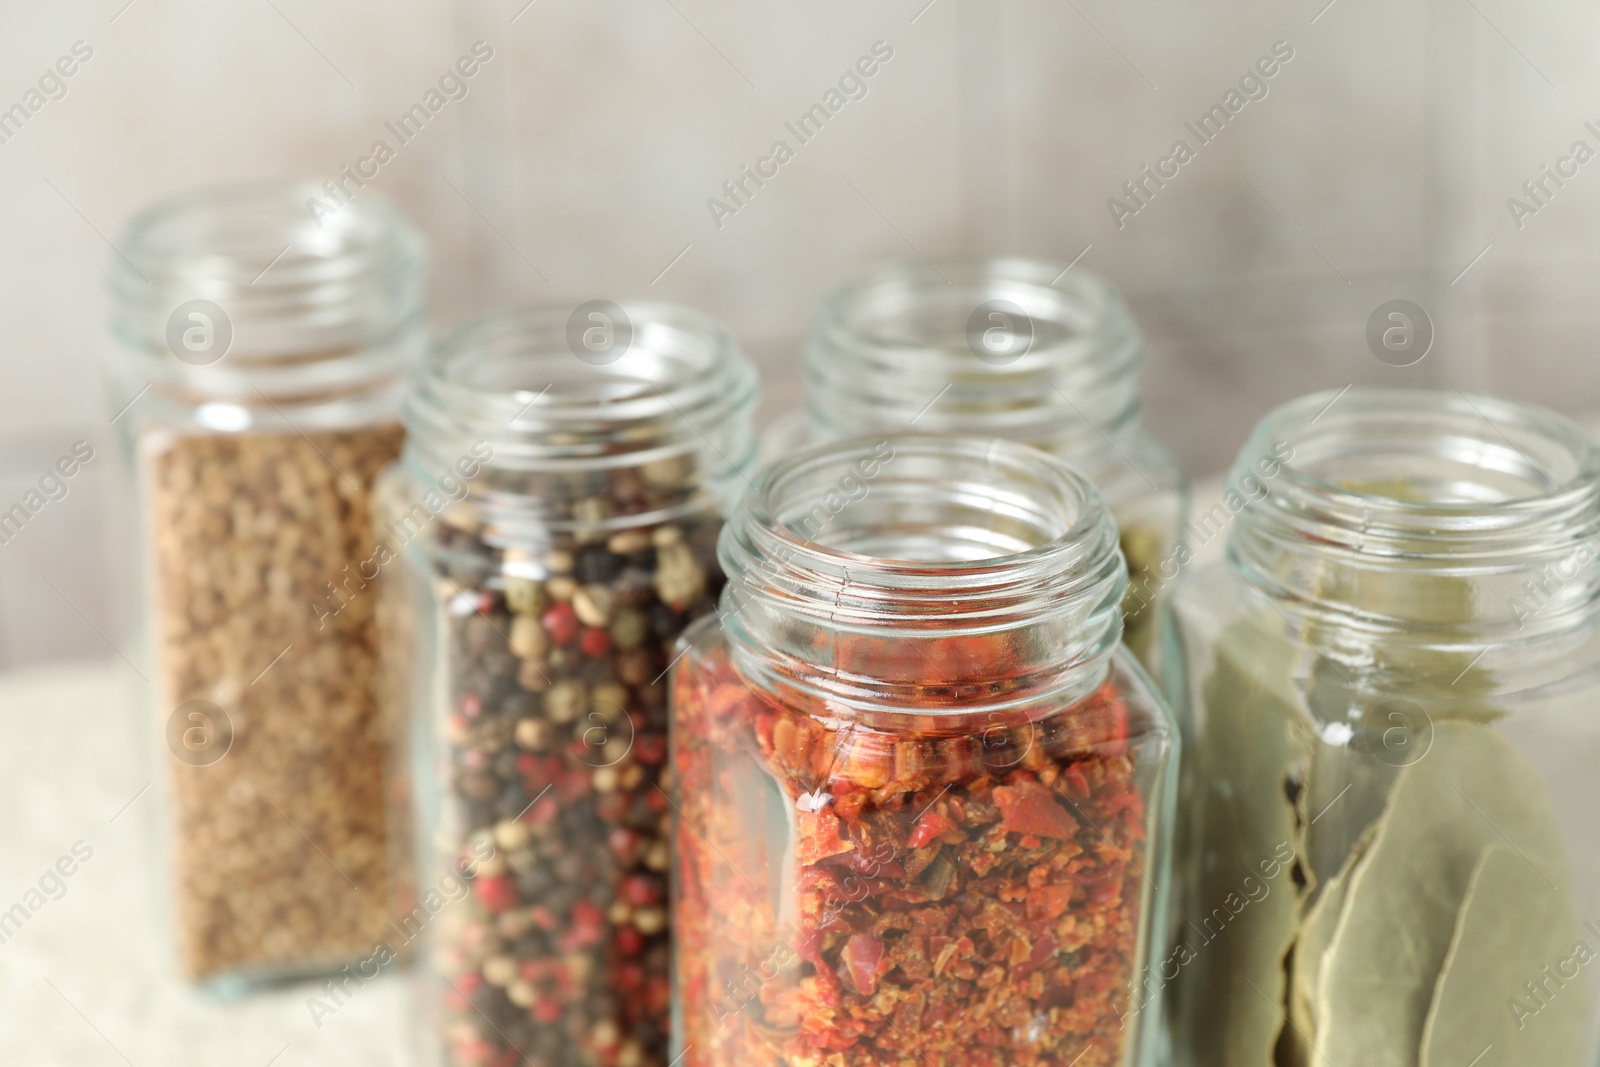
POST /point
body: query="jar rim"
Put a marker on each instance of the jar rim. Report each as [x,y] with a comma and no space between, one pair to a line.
[1069,515]
[906,341]
[1010,545]
[1425,515]
[230,232]
[671,406]
[484,378]
[312,312]
[1521,443]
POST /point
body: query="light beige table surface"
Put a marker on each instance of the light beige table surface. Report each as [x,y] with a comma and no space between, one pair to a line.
[86,982]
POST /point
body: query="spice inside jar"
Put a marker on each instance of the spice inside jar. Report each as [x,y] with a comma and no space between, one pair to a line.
[901,839]
[260,360]
[552,588]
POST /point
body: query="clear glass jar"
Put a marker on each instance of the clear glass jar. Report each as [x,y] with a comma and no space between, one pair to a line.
[257,371]
[1392,857]
[557,507]
[924,793]
[1012,348]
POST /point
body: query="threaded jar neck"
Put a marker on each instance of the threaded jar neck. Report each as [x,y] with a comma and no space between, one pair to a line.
[1423,514]
[938,574]
[1012,348]
[237,294]
[656,413]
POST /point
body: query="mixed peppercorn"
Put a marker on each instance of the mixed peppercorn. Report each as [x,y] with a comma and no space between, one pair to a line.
[556,742]
[944,894]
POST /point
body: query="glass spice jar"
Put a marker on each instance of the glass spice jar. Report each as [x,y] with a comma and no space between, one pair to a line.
[557,505]
[923,792]
[1391,859]
[1012,348]
[257,371]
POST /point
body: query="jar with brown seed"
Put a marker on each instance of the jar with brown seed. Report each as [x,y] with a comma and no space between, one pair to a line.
[258,363]
[557,508]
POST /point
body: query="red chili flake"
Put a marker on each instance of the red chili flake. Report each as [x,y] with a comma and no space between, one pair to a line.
[1048,901]
[818,837]
[862,955]
[630,942]
[1029,808]
[594,643]
[561,622]
[930,826]
[899,921]
[495,892]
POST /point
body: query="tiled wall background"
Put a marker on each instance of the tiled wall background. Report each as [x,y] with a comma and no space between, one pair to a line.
[1377,166]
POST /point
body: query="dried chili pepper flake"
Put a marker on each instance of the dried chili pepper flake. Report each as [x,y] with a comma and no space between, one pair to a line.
[1048,901]
[1029,808]
[932,825]
[863,956]
[818,837]
[945,921]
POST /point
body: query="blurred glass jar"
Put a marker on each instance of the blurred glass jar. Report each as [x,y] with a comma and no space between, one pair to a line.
[924,794]
[257,372]
[557,507]
[1391,859]
[1011,348]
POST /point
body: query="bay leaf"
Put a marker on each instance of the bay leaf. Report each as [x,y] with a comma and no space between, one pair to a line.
[1471,790]
[1311,944]
[1513,924]
[1252,733]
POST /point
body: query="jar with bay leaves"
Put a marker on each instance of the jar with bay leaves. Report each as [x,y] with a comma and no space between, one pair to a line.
[257,372]
[557,509]
[1013,348]
[1391,857]
[923,792]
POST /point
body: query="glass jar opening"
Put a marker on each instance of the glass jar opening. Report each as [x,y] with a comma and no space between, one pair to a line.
[1418,491]
[663,402]
[920,543]
[939,505]
[1009,347]
[243,294]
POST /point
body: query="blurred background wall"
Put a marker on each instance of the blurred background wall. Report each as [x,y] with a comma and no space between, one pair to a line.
[1377,165]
